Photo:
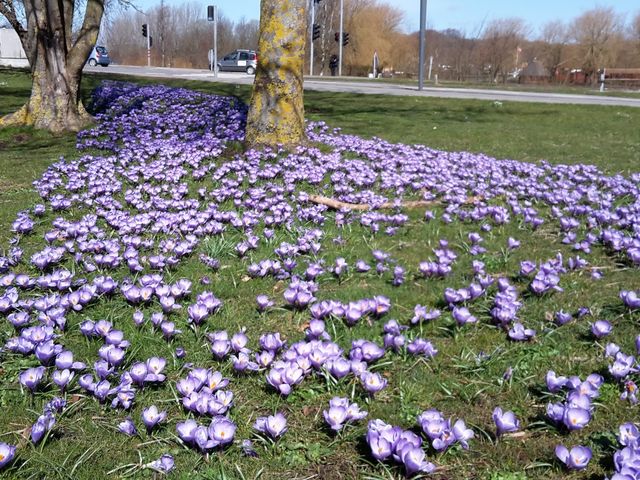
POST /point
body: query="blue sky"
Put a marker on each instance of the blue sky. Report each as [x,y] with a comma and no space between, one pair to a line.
[465,15]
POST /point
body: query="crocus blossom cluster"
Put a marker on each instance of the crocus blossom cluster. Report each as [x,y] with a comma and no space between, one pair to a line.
[626,460]
[220,433]
[388,442]
[442,432]
[202,392]
[576,411]
[274,426]
[152,194]
[341,411]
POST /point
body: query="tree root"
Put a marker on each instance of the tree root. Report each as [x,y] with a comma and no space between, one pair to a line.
[18,118]
[25,117]
[338,205]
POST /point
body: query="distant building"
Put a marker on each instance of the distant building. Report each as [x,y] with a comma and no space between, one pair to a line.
[11,51]
[534,72]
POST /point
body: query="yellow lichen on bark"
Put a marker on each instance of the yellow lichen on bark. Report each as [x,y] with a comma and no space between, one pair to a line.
[276,113]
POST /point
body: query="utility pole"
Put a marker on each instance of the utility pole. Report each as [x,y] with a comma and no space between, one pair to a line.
[146,32]
[313,24]
[212,16]
[340,38]
[423,26]
[215,41]
[162,25]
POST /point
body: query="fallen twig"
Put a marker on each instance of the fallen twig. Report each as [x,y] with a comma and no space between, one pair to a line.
[338,205]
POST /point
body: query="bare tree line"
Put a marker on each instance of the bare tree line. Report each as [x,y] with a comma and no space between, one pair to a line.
[495,52]
[182,35]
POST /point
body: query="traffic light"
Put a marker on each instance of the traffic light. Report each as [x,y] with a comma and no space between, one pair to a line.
[337,36]
[316,31]
[150,42]
[345,39]
[144,29]
[210,13]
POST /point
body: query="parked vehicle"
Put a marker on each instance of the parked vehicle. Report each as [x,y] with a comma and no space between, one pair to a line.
[239,61]
[99,56]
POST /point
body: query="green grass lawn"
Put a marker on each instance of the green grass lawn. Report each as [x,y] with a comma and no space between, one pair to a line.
[465,380]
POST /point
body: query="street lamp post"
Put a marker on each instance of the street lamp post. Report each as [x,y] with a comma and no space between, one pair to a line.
[313,22]
[423,26]
[340,38]
[212,16]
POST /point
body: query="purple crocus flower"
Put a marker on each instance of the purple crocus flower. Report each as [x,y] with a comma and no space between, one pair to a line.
[7,454]
[372,382]
[506,422]
[575,459]
[462,434]
[335,416]
[630,392]
[628,434]
[62,378]
[576,418]
[263,302]
[138,373]
[414,461]
[151,417]
[65,360]
[601,328]
[32,377]
[462,316]
[527,267]
[138,318]
[622,366]
[561,317]
[222,430]
[380,447]
[554,382]
[512,243]
[164,464]
[273,425]
[338,367]
[186,431]
[247,448]
[127,427]
[630,298]
[519,333]
[197,312]
[155,367]
[41,427]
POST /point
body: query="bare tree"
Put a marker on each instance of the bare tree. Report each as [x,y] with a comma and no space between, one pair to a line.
[276,112]
[635,31]
[246,33]
[597,32]
[57,53]
[554,37]
[327,17]
[501,40]
[182,36]
[373,27]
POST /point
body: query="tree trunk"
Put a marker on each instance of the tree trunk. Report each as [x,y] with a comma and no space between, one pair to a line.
[276,112]
[54,104]
[56,57]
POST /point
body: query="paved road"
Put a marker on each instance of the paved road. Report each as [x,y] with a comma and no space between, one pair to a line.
[376,87]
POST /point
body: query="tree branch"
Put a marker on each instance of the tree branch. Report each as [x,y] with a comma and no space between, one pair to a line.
[8,12]
[338,205]
[88,34]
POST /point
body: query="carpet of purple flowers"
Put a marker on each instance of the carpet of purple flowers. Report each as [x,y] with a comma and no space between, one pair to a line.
[187,304]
